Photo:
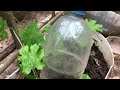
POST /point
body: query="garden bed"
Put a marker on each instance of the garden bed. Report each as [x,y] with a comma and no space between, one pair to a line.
[8,46]
[98,67]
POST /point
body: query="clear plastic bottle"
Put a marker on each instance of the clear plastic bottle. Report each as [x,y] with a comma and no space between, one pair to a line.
[109,19]
[67,48]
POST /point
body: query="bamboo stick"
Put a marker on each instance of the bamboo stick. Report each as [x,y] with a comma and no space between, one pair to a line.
[53,20]
[9,60]
[46,20]
[13,75]
[10,18]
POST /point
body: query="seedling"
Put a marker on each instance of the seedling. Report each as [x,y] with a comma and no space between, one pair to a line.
[31,35]
[85,76]
[31,59]
[93,26]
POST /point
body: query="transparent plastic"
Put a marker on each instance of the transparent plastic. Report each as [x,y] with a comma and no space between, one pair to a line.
[68,45]
[109,19]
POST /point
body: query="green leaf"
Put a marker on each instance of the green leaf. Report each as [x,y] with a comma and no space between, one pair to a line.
[29,76]
[40,66]
[41,54]
[26,70]
[3,33]
[24,50]
[85,76]
[93,26]
[34,48]
[31,35]
[47,28]
[31,58]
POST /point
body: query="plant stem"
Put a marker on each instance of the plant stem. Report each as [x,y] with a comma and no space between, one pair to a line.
[35,73]
[16,19]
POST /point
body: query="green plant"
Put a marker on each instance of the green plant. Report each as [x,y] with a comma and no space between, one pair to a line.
[3,33]
[93,26]
[47,28]
[85,76]
[31,54]
[31,35]
[31,58]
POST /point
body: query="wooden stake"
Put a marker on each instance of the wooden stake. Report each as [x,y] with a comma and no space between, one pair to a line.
[46,20]
[53,20]
[9,60]
[10,18]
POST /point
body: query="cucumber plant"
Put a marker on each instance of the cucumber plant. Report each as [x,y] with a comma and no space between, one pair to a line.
[31,58]
[31,35]
[85,76]
[94,26]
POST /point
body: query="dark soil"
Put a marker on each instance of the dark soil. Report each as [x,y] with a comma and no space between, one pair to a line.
[97,67]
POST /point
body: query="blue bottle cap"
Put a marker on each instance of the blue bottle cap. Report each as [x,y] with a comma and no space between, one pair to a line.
[79,12]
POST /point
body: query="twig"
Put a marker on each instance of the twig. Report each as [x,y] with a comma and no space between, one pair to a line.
[46,20]
[53,20]
[12,76]
[9,60]
[96,61]
[13,28]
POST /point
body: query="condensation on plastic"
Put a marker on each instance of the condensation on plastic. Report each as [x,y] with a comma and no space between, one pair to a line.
[68,45]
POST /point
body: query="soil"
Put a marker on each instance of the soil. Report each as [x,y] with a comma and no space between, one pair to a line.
[32,16]
[6,46]
[97,67]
